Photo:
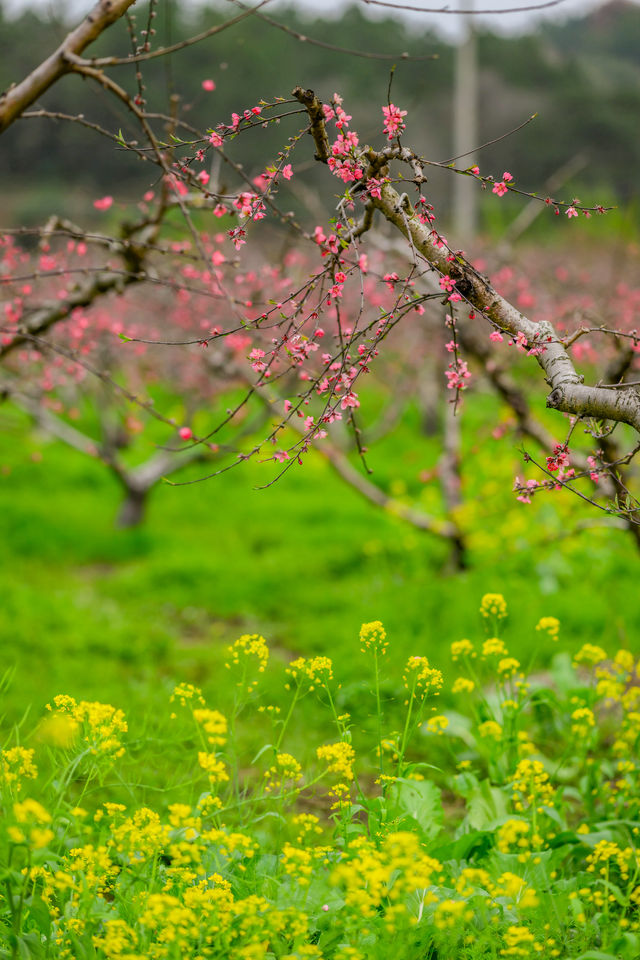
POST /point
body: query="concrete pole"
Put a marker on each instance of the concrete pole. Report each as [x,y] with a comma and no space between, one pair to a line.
[465,131]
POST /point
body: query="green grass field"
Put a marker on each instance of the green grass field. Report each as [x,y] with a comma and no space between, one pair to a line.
[120,615]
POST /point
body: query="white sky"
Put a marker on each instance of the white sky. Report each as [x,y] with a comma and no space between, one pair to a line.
[450,23]
[447,23]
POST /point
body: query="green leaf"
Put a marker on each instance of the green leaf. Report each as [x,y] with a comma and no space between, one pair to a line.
[597,955]
[487,806]
[39,913]
[466,847]
[124,337]
[418,800]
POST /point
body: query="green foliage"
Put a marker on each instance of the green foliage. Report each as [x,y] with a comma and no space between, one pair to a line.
[117,614]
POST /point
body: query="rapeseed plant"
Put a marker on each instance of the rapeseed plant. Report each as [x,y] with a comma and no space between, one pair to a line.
[506,826]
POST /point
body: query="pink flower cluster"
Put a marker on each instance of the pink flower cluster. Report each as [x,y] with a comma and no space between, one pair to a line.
[393,122]
[559,458]
[457,375]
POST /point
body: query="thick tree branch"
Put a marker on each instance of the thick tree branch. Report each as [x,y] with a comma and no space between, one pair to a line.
[15,100]
[316,114]
[568,392]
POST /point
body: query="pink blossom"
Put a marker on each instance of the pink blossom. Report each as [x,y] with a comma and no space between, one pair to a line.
[475,171]
[347,170]
[237,237]
[572,212]
[559,459]
[344,144]
[521,341]
[215,139]
[185,433]
[281,456]
[349,400]
[208,85]
[496,336]
[456,375]
[507,176]
[393,122]
[374,187]
[500,189]
[176,185]
[287,171]
[103,203]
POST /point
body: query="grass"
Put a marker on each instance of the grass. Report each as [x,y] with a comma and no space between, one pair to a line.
[118,615]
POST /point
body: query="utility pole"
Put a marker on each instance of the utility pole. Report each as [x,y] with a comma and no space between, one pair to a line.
[465,130]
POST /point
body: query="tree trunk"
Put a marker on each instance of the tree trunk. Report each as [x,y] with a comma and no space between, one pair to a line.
[133,508]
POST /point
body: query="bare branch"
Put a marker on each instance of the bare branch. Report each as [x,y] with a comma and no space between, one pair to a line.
[23,94]
[164,51]
[303,38]
[460,12]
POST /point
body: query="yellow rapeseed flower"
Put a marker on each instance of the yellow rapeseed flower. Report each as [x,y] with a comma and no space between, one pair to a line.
[286,769]
[590,654]
[340,758]
[583,721]
[551,626]
[463,685]
[16,764]
[508,667]
[186,693]
[519,942]
[437,724]
[531,785]
[513,833]
[215,768]
[421,678]
[461,648]
[494,647]
[214,725]
[373,638]
[250,645]
[490,730]
[310,672]
[493,605]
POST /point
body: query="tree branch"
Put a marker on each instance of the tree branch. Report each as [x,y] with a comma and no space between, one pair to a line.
[568,392]
[15,100]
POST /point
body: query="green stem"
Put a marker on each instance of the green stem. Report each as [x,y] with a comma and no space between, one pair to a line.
[405,733]
[379,711]
[285,723]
